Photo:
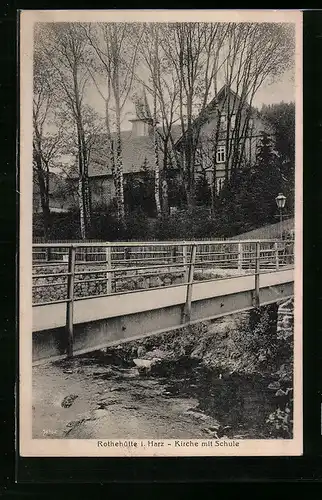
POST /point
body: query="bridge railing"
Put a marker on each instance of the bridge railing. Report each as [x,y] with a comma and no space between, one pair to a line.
[104,268]
[64,274]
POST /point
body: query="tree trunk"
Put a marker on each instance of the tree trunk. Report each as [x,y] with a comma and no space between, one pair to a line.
[189,156]
[82,188]
[43,190]
[119,162]
[110,147]
[156,161]
[155,131]
[81,209]
[157,176]
[83,191]
[165,198]
[119,175]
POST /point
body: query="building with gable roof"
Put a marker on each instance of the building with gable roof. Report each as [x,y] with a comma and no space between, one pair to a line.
[228,132]
[221,131]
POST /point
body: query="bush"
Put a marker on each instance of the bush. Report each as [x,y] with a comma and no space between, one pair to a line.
[187,224]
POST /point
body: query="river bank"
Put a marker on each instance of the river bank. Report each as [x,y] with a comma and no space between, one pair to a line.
[209,381]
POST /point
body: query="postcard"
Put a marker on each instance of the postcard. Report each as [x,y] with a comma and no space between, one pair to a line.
[160,233]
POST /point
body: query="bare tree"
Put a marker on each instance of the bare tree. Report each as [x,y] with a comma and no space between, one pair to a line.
[156,69]
[65,50]
[149,56]
[252,54]
[192,52]
[47,140]
[116,57]
[161,84]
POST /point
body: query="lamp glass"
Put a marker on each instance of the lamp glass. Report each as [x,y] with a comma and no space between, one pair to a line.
[280,200]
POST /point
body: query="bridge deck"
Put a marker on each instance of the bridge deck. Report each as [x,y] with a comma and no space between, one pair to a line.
[108,320]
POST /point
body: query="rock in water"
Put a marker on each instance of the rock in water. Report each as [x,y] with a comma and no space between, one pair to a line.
[156,354]
[144,363]
[141,351]
[68,400]
[146,366]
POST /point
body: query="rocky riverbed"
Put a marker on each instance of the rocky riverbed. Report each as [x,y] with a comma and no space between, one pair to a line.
[88,399]
[189,384]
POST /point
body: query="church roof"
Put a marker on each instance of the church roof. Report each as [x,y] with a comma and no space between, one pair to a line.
[136,150]
[139,150]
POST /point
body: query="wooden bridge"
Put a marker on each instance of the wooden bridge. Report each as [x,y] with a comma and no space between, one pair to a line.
[87,296]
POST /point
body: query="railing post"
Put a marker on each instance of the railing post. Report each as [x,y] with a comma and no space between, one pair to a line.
[186,316]
[108,258]
[174,254]
[277,262]
[240,257]
[185,262]
[127,253]
[70,298]
[257,270]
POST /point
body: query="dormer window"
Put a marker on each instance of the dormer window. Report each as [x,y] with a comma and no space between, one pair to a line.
[221,154]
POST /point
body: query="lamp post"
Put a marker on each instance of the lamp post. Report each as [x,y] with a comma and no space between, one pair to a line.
[280,202]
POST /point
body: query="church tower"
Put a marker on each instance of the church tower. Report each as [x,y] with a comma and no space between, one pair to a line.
[142,123]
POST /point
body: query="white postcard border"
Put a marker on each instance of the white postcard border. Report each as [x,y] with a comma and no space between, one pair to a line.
[29,447]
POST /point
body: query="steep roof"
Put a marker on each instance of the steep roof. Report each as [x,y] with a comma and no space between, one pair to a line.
[204,115]
[136,150]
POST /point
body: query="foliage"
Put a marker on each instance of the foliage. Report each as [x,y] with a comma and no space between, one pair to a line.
[176,193]
[281,423]
[255,346]
[282,117]
[203,192]
[187,224]
[139,192]
[247,200]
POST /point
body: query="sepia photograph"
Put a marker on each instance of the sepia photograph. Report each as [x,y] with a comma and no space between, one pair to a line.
[160,233]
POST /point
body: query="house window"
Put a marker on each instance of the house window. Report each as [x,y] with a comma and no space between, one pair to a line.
[233,121]
[221,154]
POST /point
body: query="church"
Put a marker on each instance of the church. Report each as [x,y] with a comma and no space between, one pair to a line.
[221,131]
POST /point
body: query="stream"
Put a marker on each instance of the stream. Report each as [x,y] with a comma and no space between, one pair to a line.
[101,396]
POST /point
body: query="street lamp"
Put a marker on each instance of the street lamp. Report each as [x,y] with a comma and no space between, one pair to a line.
[280,202]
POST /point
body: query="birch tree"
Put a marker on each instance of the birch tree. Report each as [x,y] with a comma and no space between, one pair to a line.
[162,86]
[257,53]
[192,52]
[155,121]
[150,61]
[65,51]
[115,58]
[251,54]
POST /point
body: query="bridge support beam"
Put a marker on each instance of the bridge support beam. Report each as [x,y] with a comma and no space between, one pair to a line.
[90,334]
